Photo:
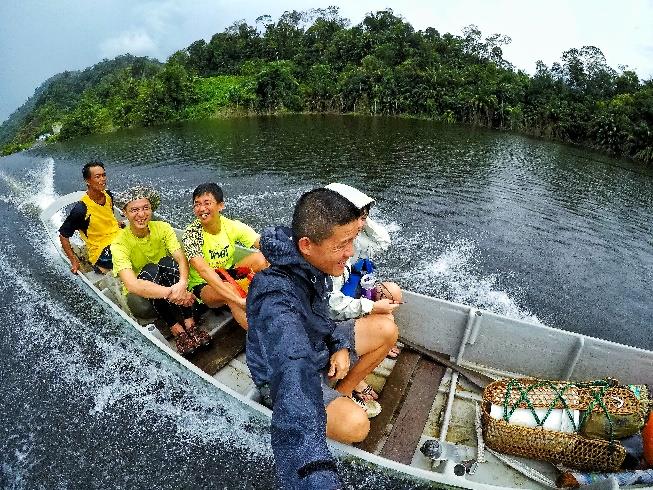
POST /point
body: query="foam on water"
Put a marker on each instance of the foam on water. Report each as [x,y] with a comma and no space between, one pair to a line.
[45,185]
[17,473]
[452,275]
[38,191]
[15,188]
[393,227]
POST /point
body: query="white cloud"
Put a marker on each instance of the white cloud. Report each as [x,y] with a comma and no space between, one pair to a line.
[158,28]
[138,43]
[161,16]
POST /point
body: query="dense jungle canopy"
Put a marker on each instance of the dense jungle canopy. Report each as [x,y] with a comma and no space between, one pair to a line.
[315,62]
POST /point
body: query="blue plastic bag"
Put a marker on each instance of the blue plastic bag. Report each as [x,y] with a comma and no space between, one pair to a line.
[351,287]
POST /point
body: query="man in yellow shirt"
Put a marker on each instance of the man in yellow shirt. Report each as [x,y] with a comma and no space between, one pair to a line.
[148,258]
[210,243]
[93,218]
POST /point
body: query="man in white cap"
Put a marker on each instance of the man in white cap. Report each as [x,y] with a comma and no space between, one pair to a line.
[345,300]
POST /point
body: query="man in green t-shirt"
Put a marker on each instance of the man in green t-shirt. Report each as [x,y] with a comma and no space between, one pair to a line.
[151,264]
[210,243]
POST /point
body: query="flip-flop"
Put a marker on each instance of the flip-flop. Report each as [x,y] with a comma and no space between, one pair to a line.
[367,393]
[372,407]
[185,344]
[201,337]
[393,353]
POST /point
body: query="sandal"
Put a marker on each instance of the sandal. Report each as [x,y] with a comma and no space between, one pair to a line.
[393,353]
[367,393]
[185,344]
[201,337]
[372,407]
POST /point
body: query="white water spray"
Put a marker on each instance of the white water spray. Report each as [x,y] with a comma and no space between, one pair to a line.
[452,274]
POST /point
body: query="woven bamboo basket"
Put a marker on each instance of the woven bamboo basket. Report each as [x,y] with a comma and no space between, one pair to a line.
[568,449]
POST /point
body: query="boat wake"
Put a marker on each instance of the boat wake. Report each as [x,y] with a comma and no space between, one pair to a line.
[453,275]
[38,191]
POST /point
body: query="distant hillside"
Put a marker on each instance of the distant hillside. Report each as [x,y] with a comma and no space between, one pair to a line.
[61,93]
[315,62]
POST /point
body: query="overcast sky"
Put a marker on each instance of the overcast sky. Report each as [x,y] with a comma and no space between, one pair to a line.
[39,38]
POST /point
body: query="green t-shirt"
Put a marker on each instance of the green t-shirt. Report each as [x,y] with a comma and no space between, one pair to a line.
[131,252]
[218,250]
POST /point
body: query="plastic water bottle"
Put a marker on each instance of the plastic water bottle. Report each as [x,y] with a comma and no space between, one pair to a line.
[442,450]
[367,286]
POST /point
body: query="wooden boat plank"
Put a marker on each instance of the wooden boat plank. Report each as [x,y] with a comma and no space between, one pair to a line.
[390,399]
[225,346]
[409,424]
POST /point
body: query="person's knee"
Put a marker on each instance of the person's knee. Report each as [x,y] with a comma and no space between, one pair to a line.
[388,330]
[168,261]
[257,262]
[393,291]
[149,272]
[211,297]
[358,424]
[346,421]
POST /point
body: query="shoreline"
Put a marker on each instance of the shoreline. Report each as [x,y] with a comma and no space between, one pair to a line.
[227,113]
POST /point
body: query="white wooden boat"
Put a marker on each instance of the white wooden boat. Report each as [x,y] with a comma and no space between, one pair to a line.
[421,398]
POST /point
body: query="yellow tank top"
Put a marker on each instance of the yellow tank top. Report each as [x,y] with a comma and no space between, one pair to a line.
[102,226]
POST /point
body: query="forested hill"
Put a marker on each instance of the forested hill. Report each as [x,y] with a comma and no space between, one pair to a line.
[56,99]
[316,62]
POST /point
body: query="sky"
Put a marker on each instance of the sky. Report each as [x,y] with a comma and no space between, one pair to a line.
[39,38]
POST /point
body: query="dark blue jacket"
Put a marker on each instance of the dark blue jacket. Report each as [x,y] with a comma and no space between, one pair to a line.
[289,342]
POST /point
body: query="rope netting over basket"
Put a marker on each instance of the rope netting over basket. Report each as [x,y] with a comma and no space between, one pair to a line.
[605,397]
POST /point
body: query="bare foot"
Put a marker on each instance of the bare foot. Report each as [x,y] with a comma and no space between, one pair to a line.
[365,392]
[393,353]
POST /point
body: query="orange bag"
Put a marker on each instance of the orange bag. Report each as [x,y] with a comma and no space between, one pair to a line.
[647,436]
[239,277]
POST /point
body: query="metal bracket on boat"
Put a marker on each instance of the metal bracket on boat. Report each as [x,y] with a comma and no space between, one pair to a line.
[471,332]
[473,320]
[151,328]
[438,451]
[573,358]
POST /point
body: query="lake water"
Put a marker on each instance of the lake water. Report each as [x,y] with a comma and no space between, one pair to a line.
[556,235]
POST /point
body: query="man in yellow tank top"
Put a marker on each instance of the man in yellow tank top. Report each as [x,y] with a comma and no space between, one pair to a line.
[93,218]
